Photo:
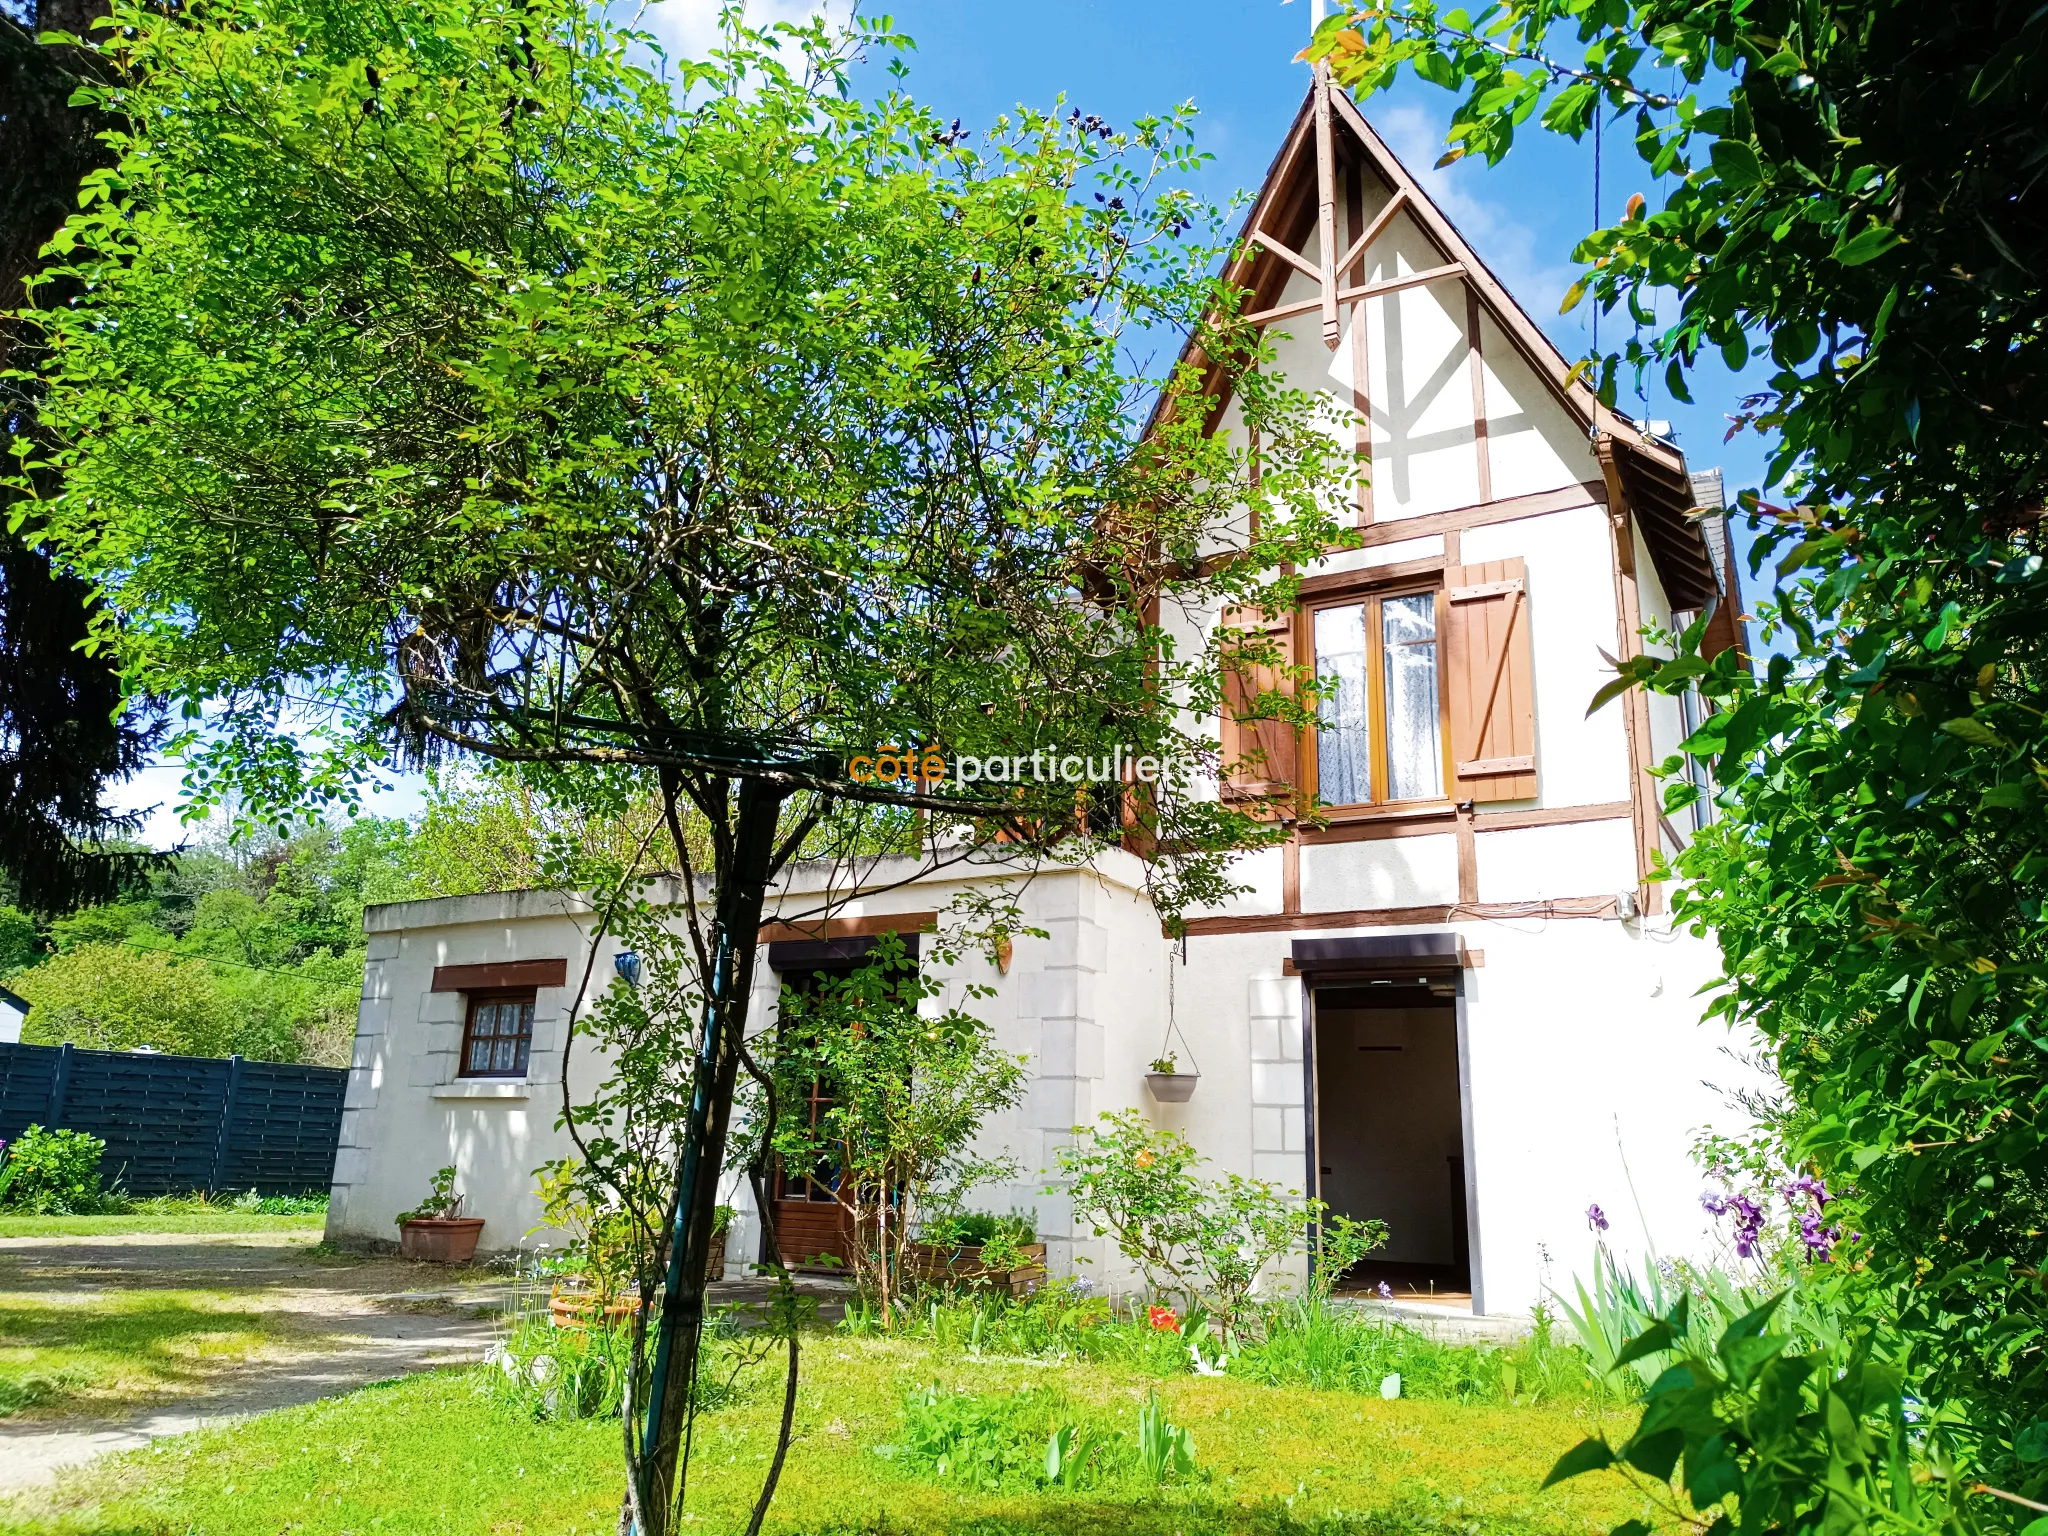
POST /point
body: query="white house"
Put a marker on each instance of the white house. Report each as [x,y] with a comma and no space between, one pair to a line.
[13,1014]
[1457,1006]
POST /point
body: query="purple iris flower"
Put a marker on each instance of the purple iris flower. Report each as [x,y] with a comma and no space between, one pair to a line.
[1820,1240]
[1749,1219]
[1596,1218]
[1386,1291]
[1808,1187]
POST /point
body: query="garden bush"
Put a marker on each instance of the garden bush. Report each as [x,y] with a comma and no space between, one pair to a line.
[1206,1243]
[55,1173]
[549,1372]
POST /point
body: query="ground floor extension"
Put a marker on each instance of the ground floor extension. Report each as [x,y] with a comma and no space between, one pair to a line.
[1476,1081]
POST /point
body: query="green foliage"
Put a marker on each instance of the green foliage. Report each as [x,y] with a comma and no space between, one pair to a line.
[985,1443]
[20,944]
[1302,1342]
[1032,1438]
[500,829]
[250,1203]
[252,947]
[107,997]
[1752,1433]
[1851,189]
[547,1372]
[54,1173]
[610,1248]
[1206,1242]
[443,1202]
[978,1229]
[1165,1449]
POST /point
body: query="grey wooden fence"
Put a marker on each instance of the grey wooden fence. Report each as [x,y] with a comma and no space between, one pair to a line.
[179,1123]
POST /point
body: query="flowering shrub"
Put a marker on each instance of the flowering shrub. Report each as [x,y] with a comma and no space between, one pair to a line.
[1202,1241]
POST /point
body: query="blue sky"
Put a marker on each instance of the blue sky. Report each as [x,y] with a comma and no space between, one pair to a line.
[1234,60]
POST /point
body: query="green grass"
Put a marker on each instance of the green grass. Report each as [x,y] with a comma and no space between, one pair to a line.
[62,1357]
[438,1453]
[222,1220]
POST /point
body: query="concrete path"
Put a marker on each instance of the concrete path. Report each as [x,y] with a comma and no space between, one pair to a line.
[343,1323]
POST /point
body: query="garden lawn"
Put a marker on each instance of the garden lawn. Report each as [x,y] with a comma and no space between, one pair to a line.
[439,1453]
[72,1355]
[144,1221]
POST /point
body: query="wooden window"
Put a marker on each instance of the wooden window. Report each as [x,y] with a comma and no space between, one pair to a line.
[499,1034]
[1425,695]
[1381,734]
[1490,681]
[1261,753]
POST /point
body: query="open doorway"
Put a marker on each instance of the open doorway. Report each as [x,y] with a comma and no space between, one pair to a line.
[813,1231]
[1390,1128]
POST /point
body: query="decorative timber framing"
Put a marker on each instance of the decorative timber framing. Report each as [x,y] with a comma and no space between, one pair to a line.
[1644,488]
[1653,486]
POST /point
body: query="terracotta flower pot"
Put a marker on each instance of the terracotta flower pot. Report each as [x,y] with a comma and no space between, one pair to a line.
[577,1309]
[1172,1087]
[440,1239]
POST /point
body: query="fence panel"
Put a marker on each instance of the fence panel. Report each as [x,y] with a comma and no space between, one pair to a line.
[179,1123]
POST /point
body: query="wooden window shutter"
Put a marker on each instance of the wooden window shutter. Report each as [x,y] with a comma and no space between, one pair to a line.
[1489,682]
[1261,755]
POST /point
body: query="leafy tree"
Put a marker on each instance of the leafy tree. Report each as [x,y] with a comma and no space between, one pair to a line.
[1855,192]
[20,944]
[66,728]
[443,366]
[107,997]
[493,830]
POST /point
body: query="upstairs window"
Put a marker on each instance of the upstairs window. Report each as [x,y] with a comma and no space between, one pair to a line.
[1422,696]
[1381,733]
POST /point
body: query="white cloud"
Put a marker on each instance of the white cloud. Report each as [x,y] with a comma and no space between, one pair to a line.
[688,29]
[1533,263]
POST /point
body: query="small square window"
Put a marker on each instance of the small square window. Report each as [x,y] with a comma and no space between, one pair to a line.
[498,1036]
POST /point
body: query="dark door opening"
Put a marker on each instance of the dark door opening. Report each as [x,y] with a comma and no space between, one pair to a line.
[1390,1129]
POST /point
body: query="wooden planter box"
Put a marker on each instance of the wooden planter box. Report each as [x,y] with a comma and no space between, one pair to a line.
[440,1239]
[939,1265]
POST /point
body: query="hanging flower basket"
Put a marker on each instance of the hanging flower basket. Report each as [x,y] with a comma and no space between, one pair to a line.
[1172,1087]
[1163,1076]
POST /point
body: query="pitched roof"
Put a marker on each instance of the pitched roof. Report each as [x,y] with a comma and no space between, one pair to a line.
[1649,475]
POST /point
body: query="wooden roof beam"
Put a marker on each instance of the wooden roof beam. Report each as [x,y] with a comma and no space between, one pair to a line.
[1368,291]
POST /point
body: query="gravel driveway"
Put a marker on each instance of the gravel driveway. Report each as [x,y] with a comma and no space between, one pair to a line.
[350,1321]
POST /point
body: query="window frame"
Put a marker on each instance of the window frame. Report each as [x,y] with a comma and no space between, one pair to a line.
[1369,596]
[471,1002]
